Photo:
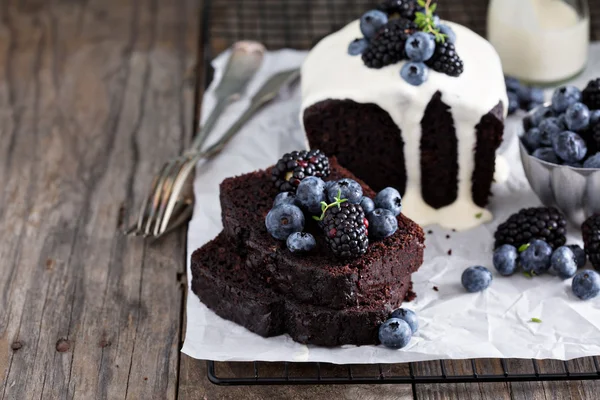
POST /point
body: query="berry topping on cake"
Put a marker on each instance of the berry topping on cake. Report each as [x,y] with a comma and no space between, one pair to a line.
[399,8]
[349,189]
[357,47]
[505,259]
[414,73]
[387,47]
[591,239]
[408,316]
[446,60]
[591,94]
[390,199]
[344,227]
[382,223]
[475,279]
[284,220]
[395,333]
[535,259]
[420,46]
[563,263]
[367,204]
[301,242]
[310,194]
[586,285]
[543,223]
[371,22]
[297,165]
[285,198]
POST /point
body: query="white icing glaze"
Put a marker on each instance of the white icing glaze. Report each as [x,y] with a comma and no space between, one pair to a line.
[330,73]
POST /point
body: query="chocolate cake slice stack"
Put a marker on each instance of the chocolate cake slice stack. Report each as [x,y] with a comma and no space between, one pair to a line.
[246,276]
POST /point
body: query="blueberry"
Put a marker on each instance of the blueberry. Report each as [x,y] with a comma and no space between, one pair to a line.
[536,95]
[476,279]
[531,105]
[285,198]
[577,117]
[436,20]
[513,103]
[580,258]
[357,47]
[546,154]
[284,220]
[562,120]
[569,146]
[594,117]
[549,128]
[592,162]
[564,97]
[367,204]
[537,116]
[531,139]
[420,46]
[390,199]
[382,223]
[536,258]
[395,333]
[349,189]
[586,284]
[512,84]
[450,34]
[301,242]
[414,73]
[310,193]
[563,262]
[505,259]
[371,22]
[576,164]
[524,93]
[408,316]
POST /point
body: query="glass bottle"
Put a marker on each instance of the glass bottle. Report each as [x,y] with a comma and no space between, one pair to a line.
[540,41]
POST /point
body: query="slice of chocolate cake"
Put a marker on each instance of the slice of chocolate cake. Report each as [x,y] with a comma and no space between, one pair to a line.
[317,278]
[222,281]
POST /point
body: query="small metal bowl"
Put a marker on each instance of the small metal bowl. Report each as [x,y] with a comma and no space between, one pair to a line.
[574,191]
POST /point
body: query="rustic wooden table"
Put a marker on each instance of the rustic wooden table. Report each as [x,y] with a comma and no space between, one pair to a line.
[94,96]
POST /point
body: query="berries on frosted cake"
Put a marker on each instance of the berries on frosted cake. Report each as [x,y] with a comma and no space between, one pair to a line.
[408,30]
[293,167]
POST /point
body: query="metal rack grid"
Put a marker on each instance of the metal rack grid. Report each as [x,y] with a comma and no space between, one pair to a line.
[299,24]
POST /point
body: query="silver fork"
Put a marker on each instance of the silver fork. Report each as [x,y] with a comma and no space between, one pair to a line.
[173,201]
[246,57]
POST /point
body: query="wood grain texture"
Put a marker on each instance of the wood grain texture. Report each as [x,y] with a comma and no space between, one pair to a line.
[93,99]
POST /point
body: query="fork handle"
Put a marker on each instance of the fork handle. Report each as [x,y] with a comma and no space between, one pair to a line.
[209,124]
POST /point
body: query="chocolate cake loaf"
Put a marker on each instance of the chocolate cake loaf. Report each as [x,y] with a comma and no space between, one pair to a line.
[247,276]
[316,278]
[434,140]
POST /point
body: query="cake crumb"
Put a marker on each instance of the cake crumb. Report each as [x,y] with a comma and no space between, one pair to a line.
[436,289]
[429,232]
[16,345]
[62,345]
[447,236]
[453,230]
[49,264]
[450,252]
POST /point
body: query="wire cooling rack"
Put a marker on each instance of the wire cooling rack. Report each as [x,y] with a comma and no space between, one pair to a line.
[299,24]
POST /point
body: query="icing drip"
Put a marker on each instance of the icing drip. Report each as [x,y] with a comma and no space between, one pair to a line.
[330,73]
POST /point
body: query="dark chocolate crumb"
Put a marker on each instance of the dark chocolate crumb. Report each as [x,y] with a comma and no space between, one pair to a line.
[49,263]
[145,378]
[453,230]
[447,236]
[62,345]
[121,216]
[429,232]
[16,345]
[436,289]
[450,252]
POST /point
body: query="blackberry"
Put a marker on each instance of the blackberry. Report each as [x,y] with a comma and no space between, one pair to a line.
[387,47]
[591,94]
[591,239]
[403,8]
[595,133]
[546,224]
[446,60]
[345,230]
[297,165]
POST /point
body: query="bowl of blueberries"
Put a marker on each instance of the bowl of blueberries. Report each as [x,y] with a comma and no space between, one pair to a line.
[560,150]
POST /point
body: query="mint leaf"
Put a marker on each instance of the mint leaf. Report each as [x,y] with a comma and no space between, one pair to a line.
[523,247]
[528,274]
[479,215]
[536,320]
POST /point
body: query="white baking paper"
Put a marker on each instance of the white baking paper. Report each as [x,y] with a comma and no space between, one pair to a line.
[453,324]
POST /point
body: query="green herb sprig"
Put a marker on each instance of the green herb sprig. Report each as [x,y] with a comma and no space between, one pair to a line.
[536,320]
[425,21]
[325,206]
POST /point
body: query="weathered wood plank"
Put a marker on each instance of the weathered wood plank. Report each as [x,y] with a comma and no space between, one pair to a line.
[92,100]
